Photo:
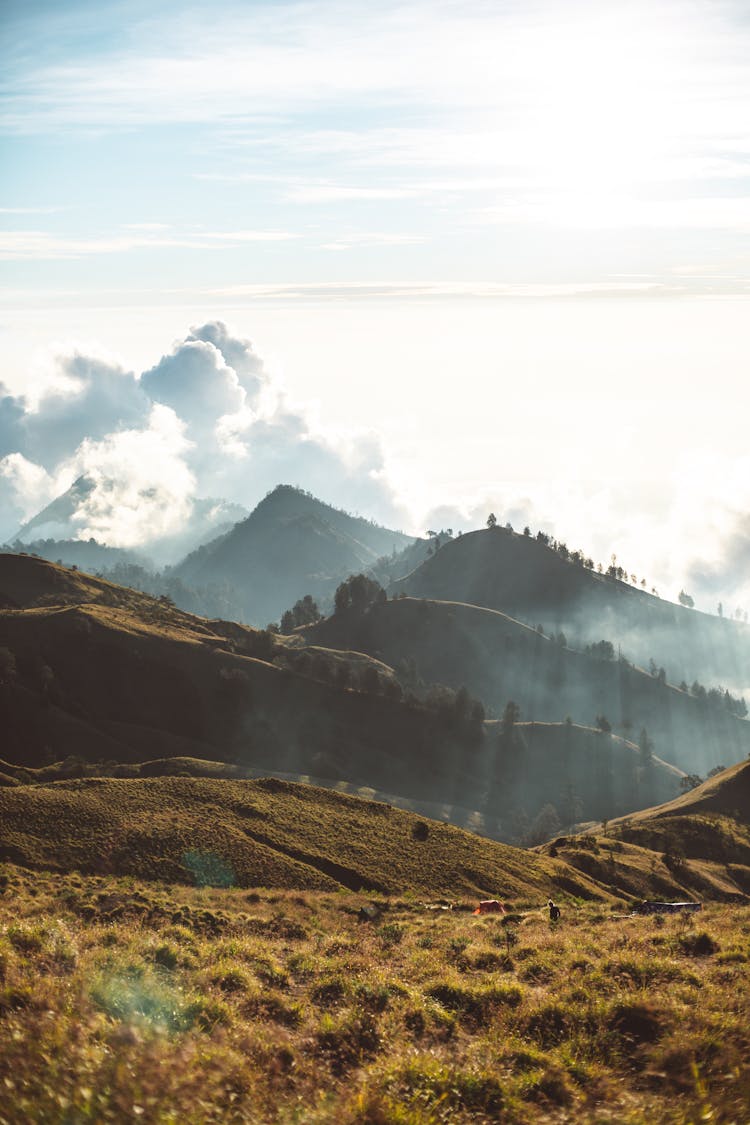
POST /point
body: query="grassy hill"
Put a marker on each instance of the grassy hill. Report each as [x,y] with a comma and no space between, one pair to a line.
[499,658]
[698,843]
[290,545]
[265,833]
[529,580]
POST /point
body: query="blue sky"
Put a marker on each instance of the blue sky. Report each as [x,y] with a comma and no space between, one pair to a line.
[461,205]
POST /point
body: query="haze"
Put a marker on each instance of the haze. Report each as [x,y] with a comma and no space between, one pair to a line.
[489,256]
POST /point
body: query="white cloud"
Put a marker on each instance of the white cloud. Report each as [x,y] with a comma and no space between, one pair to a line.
[206,420]
[143,488]
[36,245]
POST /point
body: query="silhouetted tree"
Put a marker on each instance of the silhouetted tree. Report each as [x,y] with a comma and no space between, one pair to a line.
[691,781]
[686,600]
[491,520]
[645,748]
[357,594]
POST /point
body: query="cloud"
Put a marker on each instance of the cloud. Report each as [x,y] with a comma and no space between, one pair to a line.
[24,489]
[92,398]
[196,382]
[206,420]
[40,245]
[143,488]
[724,575]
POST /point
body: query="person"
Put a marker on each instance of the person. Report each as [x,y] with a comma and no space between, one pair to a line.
[554,911]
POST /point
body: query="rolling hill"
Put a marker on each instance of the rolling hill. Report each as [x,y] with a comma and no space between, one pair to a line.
[99,672]
[529,580]
[290,545]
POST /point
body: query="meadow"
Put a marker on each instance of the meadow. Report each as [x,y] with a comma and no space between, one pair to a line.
[124,1001]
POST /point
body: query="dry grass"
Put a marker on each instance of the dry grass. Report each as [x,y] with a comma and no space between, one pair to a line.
[122,1001]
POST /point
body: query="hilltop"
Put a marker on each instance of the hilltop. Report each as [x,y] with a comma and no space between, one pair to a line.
[498,658]
[290,545]
[527,579]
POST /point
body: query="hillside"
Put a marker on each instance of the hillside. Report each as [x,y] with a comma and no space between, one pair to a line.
[265,833]
[498,658]
[99,672]
[528,580]
[725,794]
[290,545]
[699,841]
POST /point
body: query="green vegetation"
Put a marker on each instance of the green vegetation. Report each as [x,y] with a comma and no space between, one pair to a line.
[122,1002]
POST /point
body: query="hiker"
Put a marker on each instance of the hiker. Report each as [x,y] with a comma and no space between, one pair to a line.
[554,911]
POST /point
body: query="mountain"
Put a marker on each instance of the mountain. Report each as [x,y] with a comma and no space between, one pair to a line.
[53,532]
[290,545]
[499,658]
[56,520]
[529,579]
[99,672]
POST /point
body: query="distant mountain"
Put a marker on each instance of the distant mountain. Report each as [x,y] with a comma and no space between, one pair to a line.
[292,544]
[55,529]
[498,659]
[530,580]
[56,520]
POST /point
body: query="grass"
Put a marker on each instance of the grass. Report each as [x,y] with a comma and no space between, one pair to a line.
[124,1001]
[262,833]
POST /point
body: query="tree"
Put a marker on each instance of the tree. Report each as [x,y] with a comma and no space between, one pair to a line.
[603,724]
[358,593]
[686,600]
[303,612]
[511,715]
[690,781]
[645,748]
[491,520]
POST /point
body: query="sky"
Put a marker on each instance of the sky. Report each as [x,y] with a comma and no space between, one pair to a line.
[486,256]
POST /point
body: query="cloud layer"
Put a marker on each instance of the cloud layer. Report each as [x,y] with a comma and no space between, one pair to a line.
[206,420]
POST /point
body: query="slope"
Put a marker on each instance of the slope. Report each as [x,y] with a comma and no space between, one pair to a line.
[498,658]
[261,833]
[290,545]
[699,841]
[528,579]
[101,672]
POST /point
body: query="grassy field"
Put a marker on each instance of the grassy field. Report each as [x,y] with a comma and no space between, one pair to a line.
[122,1001]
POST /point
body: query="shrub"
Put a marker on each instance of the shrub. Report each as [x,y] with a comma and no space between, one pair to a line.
[697,945]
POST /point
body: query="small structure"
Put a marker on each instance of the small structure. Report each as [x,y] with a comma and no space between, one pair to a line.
[649,907]
[490,906]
